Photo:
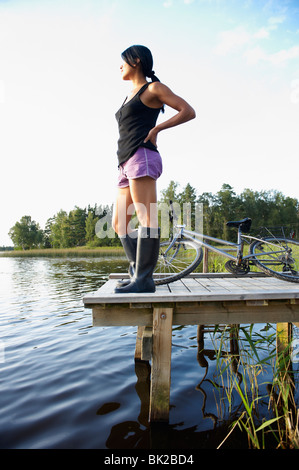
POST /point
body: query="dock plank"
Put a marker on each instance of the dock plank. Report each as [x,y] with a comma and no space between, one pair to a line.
[200,289]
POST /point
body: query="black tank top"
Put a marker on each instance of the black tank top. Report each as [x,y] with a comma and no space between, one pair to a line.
[135,120]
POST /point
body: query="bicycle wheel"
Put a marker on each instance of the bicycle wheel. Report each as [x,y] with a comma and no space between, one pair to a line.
[176,260]
[278,257]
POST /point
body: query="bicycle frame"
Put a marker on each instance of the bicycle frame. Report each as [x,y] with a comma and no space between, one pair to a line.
[200,238]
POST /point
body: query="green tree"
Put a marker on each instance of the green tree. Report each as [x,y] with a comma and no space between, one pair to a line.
[47,233]
[26,234]
[90,224]
[188,194]
[58,236]
[76,227]
[170,193]
[68,230]
[208,200]
[248,204]
[187,199]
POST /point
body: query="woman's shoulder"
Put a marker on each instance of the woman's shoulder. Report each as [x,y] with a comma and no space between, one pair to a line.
[152,86]
[157,88]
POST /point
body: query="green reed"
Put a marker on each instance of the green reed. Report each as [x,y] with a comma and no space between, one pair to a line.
[262,407]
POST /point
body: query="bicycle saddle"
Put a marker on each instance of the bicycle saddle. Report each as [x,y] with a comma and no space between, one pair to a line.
[244,224]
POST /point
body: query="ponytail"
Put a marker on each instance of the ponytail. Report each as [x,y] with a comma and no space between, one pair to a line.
[152,75]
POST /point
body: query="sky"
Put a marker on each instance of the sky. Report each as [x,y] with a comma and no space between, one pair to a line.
[235,61]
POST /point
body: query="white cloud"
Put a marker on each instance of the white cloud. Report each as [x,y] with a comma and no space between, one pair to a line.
[232,40]
[241,40]
[262,33]
[273,21]
[235,39]
[280,58]
[254,55]
[283,56]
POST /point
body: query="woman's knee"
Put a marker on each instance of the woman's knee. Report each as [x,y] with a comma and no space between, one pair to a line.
[121,219]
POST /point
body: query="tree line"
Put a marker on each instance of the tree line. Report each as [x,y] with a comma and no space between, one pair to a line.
[79,226]
[266,209]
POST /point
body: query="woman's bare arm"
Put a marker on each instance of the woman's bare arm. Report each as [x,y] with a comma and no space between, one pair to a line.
[160,94]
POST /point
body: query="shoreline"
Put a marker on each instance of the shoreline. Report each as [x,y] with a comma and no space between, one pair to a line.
[60,252]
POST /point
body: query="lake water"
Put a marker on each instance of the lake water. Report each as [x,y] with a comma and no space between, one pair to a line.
[68,385]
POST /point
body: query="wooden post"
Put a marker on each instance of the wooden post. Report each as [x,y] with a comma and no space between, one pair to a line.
[161,364]
[200,328]
[283,337]
[285,371]
[147,344]
[143,349]
[205,263]
[138,347]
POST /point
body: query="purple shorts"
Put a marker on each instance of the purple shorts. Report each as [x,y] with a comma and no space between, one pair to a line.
[144,162]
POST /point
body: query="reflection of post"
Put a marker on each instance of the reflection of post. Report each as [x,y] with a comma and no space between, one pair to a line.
[234,350]
[161,364]
[143,372]
[200,348]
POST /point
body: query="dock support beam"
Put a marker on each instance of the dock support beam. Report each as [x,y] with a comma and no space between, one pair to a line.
[283,337]
[161,364]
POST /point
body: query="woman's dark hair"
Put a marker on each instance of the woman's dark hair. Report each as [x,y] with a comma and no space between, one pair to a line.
[142,53]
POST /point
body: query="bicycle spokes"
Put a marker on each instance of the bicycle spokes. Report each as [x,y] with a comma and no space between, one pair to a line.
[278,257]
[176,260]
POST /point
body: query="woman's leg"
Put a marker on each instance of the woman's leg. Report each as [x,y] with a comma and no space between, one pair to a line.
[142,193]
[121,217]
[121,224]
[144,196]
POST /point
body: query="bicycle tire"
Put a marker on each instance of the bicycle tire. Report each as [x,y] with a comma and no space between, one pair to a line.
[181,259]
[281,262]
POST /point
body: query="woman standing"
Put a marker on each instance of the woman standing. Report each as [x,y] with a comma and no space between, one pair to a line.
[140,164]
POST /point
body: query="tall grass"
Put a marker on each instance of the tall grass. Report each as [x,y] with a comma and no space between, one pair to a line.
[67,252]
[266,409]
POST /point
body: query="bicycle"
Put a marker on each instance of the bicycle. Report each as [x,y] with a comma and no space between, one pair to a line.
[276,256]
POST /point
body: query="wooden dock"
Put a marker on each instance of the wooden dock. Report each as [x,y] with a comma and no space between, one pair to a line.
[200,299]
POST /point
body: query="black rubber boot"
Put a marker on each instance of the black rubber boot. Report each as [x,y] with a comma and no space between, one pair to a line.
[129,243]
[146,259]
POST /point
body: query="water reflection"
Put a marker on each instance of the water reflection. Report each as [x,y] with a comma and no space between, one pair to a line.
[68,385]
[140,434]
[143,435]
